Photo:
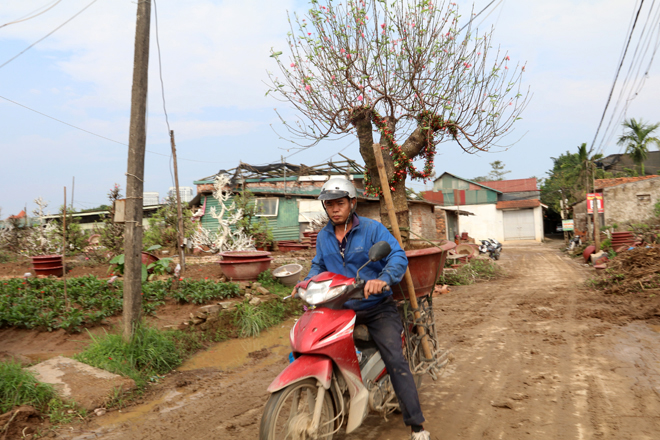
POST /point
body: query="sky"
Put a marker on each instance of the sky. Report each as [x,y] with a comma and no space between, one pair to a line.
[215,58]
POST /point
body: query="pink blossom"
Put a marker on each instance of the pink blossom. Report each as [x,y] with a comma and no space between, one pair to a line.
[507,58]
[293,64]
[366,17]
[362,34]
[360,98]
[309,33]
[383,25]
[308,87]
[342,50]
[333,77]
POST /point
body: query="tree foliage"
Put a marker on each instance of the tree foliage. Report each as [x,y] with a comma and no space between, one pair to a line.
[403,70]
[496,173]
[637,140]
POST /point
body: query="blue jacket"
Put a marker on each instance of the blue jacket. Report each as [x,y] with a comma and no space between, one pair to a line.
[359,240]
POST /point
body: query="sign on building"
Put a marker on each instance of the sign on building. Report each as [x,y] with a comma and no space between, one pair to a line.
[567,225]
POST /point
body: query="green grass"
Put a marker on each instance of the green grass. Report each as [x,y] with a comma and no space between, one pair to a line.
[150,353]
[20,387]
[251,320]
[39,302]
[472,272]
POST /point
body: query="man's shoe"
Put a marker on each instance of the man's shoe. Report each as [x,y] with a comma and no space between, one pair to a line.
[421,435]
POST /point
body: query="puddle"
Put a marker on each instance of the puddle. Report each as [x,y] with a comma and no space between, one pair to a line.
[225,355]
[233,353]
[40,357]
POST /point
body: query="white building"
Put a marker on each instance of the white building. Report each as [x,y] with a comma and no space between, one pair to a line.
[150,198]
[185,192]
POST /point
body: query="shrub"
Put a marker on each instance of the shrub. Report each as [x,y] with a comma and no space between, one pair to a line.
[476,270]
[20,387]
[150,353]
[163,226]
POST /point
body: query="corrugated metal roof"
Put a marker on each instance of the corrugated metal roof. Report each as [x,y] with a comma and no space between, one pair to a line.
[513,185]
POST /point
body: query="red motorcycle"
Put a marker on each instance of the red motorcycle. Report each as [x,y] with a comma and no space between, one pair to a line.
[337,373]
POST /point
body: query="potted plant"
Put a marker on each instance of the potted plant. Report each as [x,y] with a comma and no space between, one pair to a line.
[43,244]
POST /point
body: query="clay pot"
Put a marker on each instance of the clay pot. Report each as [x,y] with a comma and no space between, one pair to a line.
[48,265]
[246,268]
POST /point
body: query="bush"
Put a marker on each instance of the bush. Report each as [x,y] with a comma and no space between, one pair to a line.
[163,226]
[20,387]
[150,353]
[476,270]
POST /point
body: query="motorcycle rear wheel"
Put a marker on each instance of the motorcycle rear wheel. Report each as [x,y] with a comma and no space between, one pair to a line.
[289,412]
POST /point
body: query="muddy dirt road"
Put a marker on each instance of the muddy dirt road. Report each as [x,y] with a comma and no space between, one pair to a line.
[530,361]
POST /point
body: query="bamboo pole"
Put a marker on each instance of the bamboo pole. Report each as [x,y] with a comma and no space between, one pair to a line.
[66,298]
[179,213]
[397,234]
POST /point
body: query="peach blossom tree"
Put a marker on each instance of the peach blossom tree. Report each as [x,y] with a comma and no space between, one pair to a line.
[402,71]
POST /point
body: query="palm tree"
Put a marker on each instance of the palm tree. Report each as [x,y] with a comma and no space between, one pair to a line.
[637,140]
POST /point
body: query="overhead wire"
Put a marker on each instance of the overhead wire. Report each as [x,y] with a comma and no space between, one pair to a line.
[98,135]
[632,31]
[28,16]
[633,82]
[162,90]
[47,35]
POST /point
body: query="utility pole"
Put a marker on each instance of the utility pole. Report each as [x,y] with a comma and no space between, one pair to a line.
[135,174]
[596,219]
[73,187]
[179,213]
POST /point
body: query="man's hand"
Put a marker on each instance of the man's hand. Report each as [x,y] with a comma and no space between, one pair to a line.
[373,287]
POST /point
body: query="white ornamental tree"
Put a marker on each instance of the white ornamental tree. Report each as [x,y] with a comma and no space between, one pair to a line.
[223,239]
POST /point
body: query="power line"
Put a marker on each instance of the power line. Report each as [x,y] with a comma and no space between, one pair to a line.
[633,82]
[593,142]
[47,35]
[98,135]
[29,15]
[475,16]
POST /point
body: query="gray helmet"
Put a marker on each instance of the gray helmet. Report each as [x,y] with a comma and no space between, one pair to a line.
[337,188]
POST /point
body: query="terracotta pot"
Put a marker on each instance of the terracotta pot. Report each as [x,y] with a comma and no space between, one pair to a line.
[245,269]
[48,265]
[148,258]
[289,247]
[425,267]
[243,255]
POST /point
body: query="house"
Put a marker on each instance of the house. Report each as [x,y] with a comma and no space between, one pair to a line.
[503,210]
[286,196]
[626,200]
[618,163]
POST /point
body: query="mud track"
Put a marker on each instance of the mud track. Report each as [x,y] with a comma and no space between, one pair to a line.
[529,361]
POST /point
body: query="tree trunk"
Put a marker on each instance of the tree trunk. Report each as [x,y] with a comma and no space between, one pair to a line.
[361,119]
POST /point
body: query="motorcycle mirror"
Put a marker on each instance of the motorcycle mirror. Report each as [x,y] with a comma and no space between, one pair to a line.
[379,251]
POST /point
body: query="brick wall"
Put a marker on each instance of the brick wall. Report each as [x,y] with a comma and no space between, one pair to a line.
[440,223]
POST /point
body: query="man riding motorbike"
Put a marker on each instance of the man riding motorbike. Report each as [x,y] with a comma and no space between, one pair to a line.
[342,247]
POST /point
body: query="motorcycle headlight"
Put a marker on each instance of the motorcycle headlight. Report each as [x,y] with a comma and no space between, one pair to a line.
[318,293]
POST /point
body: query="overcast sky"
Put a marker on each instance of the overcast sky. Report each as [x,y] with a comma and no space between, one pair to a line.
[214,58]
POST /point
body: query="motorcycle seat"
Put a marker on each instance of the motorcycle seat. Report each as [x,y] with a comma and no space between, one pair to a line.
[361,333]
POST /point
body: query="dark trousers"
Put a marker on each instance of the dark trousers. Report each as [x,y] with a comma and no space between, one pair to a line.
[385,328]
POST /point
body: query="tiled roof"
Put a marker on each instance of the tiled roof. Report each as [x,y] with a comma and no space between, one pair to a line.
[19,215]
[513,204]
[513,185]
[606,183]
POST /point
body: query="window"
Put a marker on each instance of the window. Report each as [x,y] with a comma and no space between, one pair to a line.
[266,207]
[644,199]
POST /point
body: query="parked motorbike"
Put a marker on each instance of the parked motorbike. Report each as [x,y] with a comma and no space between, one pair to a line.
[491,247]
[337,373]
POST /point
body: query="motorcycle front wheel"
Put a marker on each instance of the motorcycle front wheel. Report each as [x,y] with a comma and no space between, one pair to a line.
[289,413]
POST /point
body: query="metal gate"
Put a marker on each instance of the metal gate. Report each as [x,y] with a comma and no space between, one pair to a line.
[519,225]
